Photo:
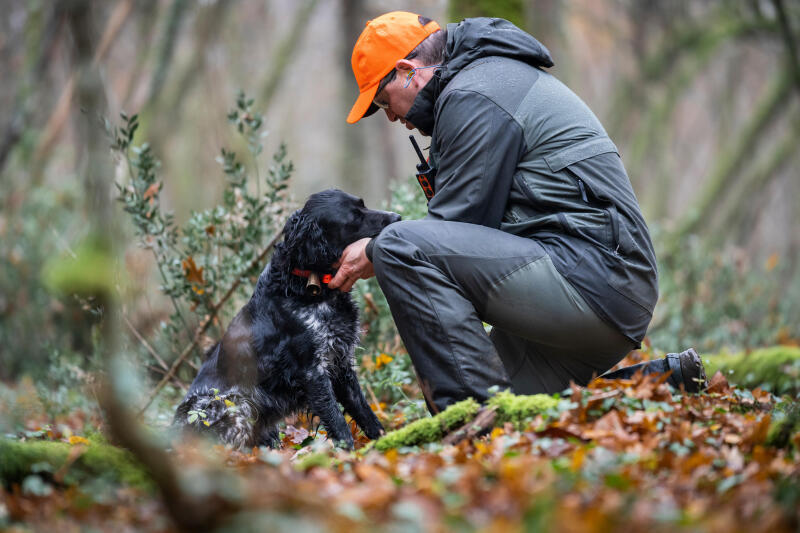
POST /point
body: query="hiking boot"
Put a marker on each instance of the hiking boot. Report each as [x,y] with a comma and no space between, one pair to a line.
[687,370]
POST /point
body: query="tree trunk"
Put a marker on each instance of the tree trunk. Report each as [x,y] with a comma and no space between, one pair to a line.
[511,10]
[189,511]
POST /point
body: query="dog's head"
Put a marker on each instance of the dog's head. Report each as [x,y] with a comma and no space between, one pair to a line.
[315,236]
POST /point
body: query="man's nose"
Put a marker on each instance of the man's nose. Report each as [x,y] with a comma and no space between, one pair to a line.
[391,116]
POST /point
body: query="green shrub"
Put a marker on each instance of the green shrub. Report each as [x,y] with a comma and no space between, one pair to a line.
[408,201]
[720,300]
[35,225]
[216,248]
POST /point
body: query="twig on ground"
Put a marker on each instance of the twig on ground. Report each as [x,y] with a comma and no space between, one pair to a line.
[375,401]
[149,348]
[483,422]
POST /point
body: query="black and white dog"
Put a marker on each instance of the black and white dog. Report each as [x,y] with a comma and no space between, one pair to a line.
[289,350]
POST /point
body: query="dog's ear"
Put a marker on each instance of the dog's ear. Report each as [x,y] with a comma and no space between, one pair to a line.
[305,243]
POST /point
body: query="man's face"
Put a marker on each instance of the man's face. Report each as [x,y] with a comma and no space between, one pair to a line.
[396,98]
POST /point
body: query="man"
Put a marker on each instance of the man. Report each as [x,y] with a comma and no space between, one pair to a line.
[533,228]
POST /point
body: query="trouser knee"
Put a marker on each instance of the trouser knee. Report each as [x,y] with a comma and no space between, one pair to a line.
[394,246]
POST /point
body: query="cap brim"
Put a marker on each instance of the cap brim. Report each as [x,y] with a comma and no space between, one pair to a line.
[371,111]
[363,105]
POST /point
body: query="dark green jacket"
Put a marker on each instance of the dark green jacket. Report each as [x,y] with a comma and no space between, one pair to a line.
[515,149]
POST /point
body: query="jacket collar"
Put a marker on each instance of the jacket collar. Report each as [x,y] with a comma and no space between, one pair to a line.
[421,114]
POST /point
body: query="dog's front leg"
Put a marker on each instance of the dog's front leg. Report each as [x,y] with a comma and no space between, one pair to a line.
[323,404]
[350,395]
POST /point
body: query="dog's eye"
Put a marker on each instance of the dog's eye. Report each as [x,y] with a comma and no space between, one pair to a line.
[361,202]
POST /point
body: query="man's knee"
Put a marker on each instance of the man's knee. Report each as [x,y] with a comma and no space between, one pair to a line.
[394,243]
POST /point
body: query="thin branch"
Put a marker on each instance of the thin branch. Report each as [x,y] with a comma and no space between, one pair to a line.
[115,23]
[788,39]
[733,158]
[284,52]
[163,371]
[176,14]
[146,20]
[152,352]
[53,128]
[483,422]
[375,401]
[206,323]
[26,100]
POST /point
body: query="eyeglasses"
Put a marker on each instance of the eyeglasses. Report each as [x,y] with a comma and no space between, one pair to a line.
[386,82]
[383,84]
[381,105]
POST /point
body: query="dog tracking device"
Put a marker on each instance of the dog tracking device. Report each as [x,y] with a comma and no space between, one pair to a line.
[425,174]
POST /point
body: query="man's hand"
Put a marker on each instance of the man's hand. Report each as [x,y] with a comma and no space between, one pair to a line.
[353,266]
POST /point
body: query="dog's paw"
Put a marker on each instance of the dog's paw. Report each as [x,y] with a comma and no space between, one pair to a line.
[347,443]
[374,431]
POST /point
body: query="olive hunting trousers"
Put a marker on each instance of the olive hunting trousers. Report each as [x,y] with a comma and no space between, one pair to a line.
[444,280]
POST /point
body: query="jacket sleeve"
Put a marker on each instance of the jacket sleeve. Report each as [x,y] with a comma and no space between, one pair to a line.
[478,145]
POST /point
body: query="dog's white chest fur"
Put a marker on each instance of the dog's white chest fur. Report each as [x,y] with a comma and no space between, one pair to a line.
[329,340]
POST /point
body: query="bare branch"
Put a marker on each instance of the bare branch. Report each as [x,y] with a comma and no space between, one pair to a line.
[164,367]
[789,41]
[53,128]
[483,422]
[285,51]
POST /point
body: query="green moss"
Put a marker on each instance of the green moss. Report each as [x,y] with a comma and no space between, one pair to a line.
[99,460]
[510,408]
[518,408]
[430,429]
[776,369]
[90,272]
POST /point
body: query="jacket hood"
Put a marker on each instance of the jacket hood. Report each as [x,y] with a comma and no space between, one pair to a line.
[467,41]
[475,38]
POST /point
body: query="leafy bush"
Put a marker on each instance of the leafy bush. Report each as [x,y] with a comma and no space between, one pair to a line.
[35,224]
[716,301]
[219,252]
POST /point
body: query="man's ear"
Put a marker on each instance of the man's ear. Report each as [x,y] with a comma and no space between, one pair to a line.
[404,65]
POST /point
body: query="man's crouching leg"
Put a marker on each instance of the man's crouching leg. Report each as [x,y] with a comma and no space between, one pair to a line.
[420,266]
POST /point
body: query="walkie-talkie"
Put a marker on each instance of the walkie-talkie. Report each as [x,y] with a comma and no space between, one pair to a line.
[425,174]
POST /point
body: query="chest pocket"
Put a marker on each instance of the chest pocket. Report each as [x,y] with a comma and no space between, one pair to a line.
[589,169]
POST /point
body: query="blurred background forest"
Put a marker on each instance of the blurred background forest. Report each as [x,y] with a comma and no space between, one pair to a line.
[150,151]
[701,97]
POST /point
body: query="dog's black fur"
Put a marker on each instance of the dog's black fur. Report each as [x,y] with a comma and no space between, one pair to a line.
[287,350]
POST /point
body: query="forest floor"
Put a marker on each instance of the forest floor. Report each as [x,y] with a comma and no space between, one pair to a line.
[625,455]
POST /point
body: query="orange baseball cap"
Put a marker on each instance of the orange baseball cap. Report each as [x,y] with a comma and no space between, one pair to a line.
[384,41]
